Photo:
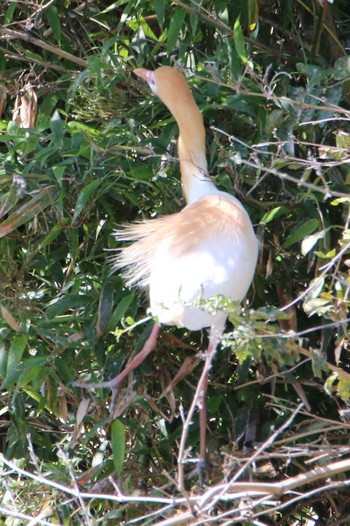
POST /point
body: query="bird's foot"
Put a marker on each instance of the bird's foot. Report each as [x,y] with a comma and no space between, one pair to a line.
[202,467]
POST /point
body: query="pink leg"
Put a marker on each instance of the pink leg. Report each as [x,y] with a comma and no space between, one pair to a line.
[203,409]
[214,338]
[200,401]
[130,366]
[203,422]
[138,359]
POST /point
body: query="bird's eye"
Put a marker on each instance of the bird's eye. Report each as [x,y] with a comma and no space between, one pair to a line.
[152,84]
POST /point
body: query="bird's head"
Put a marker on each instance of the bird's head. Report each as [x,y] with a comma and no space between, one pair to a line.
[170,86]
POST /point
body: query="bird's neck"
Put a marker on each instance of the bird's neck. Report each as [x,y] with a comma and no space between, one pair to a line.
[196,182]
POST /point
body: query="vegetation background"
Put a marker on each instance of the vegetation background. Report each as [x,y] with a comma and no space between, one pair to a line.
[85,147]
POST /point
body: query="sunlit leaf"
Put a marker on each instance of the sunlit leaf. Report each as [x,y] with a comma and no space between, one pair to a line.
[253,14]
[310,241]
[344,388]
[273,214]
[239,41]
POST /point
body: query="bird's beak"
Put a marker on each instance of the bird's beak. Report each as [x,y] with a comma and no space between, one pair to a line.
[148,76]
[144,74]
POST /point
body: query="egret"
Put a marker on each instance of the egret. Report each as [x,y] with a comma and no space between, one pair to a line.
[209,248]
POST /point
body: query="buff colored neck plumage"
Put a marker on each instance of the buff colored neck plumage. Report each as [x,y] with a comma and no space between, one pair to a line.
[176,95]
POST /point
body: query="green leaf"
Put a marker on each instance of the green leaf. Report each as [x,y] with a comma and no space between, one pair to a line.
[121,309]
[253,14]
[316,75]
[51,13]
[34,372]
[333,96]
[58,172]
[17,347]
[66,373]
[174,29]
[13,196]
[29,210]
[3,360]
[299,233]
[105,307]
[65,304]
[239,41]
[340,201]
[54,233]
[315,288]
[84,198]
[136,24]
[159,6]
[10,12]
[57,129]
[310,241]
[344,388]
[273,214]
[319,306]
[118,444]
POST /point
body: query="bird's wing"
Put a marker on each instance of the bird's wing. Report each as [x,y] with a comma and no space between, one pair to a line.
[212,251]
[208,248]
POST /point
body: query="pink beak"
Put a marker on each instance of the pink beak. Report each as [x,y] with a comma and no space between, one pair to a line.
[145,74]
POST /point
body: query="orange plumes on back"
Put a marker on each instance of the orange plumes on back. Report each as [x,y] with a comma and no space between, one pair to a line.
[211,217]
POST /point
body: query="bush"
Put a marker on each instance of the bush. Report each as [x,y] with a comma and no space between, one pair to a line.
[85,148]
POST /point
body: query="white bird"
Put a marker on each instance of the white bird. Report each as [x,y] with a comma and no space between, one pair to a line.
[208,248]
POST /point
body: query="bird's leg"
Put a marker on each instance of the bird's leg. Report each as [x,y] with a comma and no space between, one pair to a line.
[130,366]
[214,338]
[200,401]
[202,404]
[138,359]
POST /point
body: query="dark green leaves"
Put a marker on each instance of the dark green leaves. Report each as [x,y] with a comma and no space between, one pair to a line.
[84,198]
[175,28]
[301,231]
[28,211]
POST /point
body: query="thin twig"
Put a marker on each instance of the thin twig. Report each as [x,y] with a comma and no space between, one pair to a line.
[18,515]
[11,34]
[43,63]
[262,448]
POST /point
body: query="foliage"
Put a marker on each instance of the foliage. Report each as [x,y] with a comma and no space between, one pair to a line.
[84,147]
